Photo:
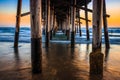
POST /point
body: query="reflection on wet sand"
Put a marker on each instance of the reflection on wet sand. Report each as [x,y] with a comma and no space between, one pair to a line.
[72,53]
[16,53]
[106,54]
[17,58]
[59,62]
[62,63]
[87,51]
[96,77]
[106,58]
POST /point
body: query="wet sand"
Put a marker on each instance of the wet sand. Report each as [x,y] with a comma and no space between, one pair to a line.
[59,62]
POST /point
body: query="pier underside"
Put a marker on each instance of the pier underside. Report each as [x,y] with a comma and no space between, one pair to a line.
[52,16]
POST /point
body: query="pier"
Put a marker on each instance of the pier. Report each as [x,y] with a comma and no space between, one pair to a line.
[59,15]
[51,17]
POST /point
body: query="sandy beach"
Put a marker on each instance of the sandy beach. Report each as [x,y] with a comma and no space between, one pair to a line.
[57,60]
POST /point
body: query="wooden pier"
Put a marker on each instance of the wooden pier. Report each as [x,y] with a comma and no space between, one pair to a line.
[60,14]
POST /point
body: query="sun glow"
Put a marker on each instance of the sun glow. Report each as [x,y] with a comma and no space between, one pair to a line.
[8,13]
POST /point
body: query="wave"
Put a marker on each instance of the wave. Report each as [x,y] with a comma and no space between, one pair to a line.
[7,35]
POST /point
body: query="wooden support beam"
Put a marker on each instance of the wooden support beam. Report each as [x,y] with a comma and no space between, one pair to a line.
[86,17]
[79,7]
[16,38]
[47,23]
[79,24]
[36,35]
[83,8]
[97,24]
[107,15]
[54,24]
[68,26]
[64,26]
[73,15]
[25,14]
[77,27]
[96,57]
[51,22]
[89,10]
[106,36]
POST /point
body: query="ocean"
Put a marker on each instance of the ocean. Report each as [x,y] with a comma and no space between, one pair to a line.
[7,35]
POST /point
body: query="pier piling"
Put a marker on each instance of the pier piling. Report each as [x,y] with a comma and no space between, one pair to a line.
[16,38]
[47,23]
[36,36]
[106,36]
[68,27]
[73,15]
[96,57]
[80,32]
[86,17]
[51,22]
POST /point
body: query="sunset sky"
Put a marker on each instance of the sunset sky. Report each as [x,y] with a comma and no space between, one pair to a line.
[8,13]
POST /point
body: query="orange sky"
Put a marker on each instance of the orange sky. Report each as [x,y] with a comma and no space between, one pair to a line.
[9,19]
[114,19]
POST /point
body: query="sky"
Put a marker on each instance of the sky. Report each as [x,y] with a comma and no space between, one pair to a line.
[8,13]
